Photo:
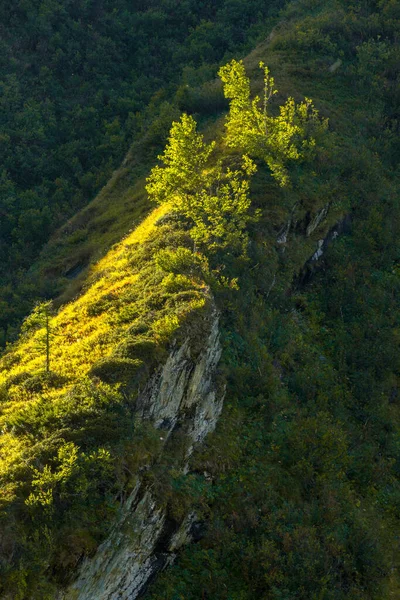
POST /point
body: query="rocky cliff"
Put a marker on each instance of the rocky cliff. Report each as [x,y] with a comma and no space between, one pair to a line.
[183,393]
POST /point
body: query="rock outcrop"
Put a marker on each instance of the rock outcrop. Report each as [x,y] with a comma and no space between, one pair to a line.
[182,393]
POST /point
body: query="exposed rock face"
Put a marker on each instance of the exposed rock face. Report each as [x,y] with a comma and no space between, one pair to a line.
[317,220]
[182,393]
[335,66]
[341,227]
[306,225]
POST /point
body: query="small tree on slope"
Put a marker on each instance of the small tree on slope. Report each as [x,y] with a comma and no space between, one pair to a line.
[200,187]
[289,136]
[39,320]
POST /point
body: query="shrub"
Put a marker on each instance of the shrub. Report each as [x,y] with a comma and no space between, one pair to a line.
[37,383]
[116,370]
[144,349]
[181,261]
[176,283]
[18,379]
[137,328]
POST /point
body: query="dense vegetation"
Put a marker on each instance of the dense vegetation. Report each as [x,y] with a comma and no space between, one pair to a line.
[71,446]
[75,81]
[67,432]
[299,486]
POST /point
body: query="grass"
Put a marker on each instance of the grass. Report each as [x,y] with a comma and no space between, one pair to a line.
[123,203]
[104,345]
[83,330]
[115,212]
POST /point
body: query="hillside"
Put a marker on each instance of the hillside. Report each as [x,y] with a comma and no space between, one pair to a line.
[109,456]
[81,82]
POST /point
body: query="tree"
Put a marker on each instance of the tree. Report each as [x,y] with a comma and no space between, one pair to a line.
[39,320]
[185,158]
[203,188]
[289,136]
[209,190]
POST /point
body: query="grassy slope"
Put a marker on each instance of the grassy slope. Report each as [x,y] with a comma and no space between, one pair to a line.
[76,420]
[83,240]
[122,203]
[77,108]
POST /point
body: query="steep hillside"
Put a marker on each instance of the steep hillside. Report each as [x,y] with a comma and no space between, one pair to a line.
[302,472]
[79,83]
[290,257]
[71,443]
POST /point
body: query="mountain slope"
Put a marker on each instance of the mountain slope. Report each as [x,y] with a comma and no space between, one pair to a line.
[303,467]
[297,491]
[74,418]
[79,83]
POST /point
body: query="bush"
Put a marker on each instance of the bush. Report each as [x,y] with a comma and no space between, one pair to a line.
[116,370]
[176,283]
[144,349]
[100,305]
[18,379]
[3,393]
[138,328]
[37,383]
[182,261]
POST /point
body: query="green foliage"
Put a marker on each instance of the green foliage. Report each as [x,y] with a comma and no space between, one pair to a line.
[185,158]
[299,485]
[289,136]
[38,317]
[213,192]
[182,261]
[39,320]
[113,370]
[221,210]
[69,476]
[141,348]
[304,463]
[200,187]
[71,448]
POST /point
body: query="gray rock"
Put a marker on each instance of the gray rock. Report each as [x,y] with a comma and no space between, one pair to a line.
[317,220]
[335,66]
[183,392]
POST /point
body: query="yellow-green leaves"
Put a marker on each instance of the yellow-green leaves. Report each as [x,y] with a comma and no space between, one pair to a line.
[71,477]
[222,207]
[185,158]
[269,86]
[245,122]
[236,84]
[250,128]
[213,192]
[214,196]
[39,320]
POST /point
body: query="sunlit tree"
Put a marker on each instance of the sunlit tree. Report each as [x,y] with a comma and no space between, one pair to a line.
[39,320]
[198,185]
[250,128]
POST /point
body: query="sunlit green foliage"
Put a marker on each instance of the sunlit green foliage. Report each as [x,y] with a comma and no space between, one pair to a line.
[200,187]
[299,486]
[277,140]
[301,478]
[79,82]
[70,446]
[213,195]
[39,320]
